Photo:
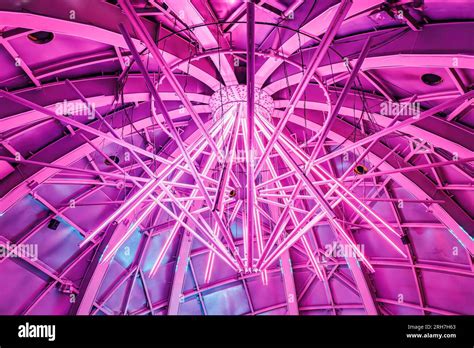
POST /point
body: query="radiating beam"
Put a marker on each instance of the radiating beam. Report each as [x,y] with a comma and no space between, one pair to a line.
[179,274]
[362,285]
[312,66]
[228,162]
[321,204]
[314,190]
[79,125]
[323,132]
[95,272]
[328,123]
[158,202]
[293,217]
[336,186]
[250,147]
[176,227]
[72,169]
[176,135]
[425,114]
[334,112]
[164,67]
[413,168]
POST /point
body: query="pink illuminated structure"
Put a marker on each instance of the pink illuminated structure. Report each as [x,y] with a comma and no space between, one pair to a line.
[236,157]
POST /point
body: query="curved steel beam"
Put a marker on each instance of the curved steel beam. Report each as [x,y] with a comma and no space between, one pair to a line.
[73,156]
[317,26]
[206,38]
[448,140]
[401,60]
[100,100]
[94,29]
[449,213]
[406,180]
[96,271]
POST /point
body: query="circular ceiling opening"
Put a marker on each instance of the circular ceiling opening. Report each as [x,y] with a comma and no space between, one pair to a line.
[431,79]
[41,37]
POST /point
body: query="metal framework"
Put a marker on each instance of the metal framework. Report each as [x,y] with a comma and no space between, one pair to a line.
[229,189]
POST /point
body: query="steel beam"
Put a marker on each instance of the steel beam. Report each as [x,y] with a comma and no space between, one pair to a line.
[172,129]
[182,262]
[165,69]
[250,140]
[318,56]
[206,38]
[398,126]
[323,132]
[316,26]
[96,271]
[176,227]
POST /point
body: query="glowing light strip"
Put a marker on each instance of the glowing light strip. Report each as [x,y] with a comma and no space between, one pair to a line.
[175,229]
[331,218]
[306,245]
[303,158]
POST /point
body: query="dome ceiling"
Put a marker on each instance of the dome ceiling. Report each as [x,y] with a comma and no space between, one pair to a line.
[137,179]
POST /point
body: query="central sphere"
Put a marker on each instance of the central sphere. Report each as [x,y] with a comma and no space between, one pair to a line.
[225,98]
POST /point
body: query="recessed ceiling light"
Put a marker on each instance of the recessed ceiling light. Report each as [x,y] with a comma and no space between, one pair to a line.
[41,37]
[431,79]
[113,158]
[360,169]
[53,224]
